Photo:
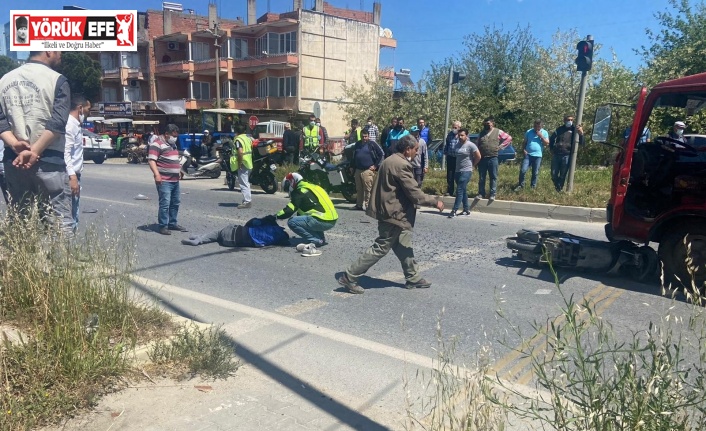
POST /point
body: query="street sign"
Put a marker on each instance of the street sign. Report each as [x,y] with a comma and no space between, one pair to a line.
[252,122]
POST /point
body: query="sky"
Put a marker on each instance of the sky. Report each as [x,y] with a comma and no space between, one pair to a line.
[431,31]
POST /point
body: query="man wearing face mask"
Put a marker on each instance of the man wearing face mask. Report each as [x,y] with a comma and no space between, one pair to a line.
[450,148]
[560,145]
[394,136]
[311,139]
[490,141]
[386,131]
[36,87]
[677,132]
[372,129]
[324,132]
[163,158]
[73,153]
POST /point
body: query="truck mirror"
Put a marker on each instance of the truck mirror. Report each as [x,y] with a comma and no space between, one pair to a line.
[601,124]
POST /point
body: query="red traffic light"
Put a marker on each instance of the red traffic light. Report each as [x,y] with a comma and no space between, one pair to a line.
[584,58]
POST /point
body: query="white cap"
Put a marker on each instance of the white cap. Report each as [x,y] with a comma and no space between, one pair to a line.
[680,124]
[206,131]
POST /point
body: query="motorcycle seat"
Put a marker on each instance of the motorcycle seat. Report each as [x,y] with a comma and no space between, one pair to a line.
[205,161]
[330,167]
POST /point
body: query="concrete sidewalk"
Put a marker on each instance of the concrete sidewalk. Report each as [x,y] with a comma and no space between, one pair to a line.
[295,376]
[529,209]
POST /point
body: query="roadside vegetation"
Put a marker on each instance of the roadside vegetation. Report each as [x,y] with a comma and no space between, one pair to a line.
[70,323]
[586,375]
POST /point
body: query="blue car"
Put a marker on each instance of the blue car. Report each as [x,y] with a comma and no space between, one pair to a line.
[506,154]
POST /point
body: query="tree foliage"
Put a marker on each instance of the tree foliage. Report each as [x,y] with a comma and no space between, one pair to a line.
[6,65]
[83,73]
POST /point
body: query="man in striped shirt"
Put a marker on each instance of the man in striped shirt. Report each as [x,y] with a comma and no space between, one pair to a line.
[163,158]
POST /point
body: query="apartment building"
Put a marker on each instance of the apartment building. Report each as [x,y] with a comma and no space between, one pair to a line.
[278,66]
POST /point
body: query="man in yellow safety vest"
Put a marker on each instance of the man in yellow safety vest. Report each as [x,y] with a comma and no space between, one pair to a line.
[311,136]
[241,163]
[315,213]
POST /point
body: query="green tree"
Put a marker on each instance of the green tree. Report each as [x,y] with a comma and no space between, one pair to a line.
[6,65]
[678,43]
[83,73]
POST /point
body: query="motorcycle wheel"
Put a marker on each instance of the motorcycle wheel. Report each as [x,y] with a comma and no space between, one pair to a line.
[214,174]
[231,181]
[131,158]
[270,184]
[349,193]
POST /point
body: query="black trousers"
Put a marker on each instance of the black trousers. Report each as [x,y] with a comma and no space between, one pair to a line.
[450,174]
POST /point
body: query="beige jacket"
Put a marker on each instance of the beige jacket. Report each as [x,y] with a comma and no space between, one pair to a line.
[395,193]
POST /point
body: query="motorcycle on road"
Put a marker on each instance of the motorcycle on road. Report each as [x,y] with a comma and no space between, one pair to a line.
[205,168]
[263,170]
[332,178]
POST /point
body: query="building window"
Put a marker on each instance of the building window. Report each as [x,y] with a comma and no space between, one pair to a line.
[238,89]
[132,94]
[238,48]
[200,51]
[288,86]
[200,90]
[262,88]
[108,61]
[110,94]
[277,43]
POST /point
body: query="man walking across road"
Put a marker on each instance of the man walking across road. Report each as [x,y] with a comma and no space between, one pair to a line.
[560,145]
[163,158]
[315,213]
[73,152]
[366,161]
[393,203]
[450,148]
[536,139]
[36,88]
[490,141]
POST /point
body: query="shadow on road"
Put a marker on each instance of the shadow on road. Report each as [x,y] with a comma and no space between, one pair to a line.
[544,274]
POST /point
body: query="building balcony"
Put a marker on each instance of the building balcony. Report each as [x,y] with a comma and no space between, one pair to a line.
[260,103]
[208,67]
[387,73]
[278,61]
[175,69]
[111,74]
[388,42]
[208,104]
[137,73]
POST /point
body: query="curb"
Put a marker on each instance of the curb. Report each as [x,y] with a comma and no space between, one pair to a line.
[529,209]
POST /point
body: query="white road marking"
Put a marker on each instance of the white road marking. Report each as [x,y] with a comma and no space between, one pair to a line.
[543,292]
[300,307]
[111,201]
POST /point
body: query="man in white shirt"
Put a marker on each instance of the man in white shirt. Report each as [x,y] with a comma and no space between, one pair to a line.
[73,151]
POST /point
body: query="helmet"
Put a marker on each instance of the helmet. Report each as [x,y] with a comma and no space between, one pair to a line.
[290,182]
[206,132]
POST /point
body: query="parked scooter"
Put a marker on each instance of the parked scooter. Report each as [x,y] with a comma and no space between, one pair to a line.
[263,170]
[332,178]
[205,168]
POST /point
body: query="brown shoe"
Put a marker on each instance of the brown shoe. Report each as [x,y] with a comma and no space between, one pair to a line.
[421,284]
[352,286]
[165,231]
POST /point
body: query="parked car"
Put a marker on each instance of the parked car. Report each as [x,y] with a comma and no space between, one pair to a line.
[96,147]
[435,149]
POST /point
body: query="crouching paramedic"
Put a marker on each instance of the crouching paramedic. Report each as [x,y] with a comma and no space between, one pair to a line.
[315,211]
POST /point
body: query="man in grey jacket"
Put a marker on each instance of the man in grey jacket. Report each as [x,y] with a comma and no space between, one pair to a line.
[34,110]
[393,201]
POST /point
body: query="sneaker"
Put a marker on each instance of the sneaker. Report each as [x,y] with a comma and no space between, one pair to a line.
[358,207]
[178,227]
[465,213]
[303,246]
[491,199]
[352,286]
[245,205]
[452,214]
[447,194]
[421,284]
[517,189]
[165,231]
[310,251]
[479,197]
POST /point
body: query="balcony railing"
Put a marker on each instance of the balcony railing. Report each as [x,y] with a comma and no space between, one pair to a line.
[209,65]
[289,59]
[111,74]
[180,66]
[287,103]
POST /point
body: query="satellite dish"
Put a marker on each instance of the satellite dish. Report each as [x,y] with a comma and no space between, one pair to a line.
[387,33]
[317,110]
[382,32]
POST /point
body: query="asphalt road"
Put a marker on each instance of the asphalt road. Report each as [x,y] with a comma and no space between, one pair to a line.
[472,272]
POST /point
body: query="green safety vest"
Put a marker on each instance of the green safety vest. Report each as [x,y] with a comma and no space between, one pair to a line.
[329,213]
[246,142]
[311,138]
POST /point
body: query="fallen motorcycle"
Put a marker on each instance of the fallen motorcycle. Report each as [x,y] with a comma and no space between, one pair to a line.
[332,178]
[563,250]
[263,170]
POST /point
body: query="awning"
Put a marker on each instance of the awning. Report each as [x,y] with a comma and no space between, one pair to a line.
[171,107]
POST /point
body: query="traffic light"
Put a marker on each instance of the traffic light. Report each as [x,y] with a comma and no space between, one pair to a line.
[584,59]
[458,77]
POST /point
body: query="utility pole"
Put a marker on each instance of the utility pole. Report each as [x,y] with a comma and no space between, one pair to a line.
[214,29]
[448,111]
[584,61]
